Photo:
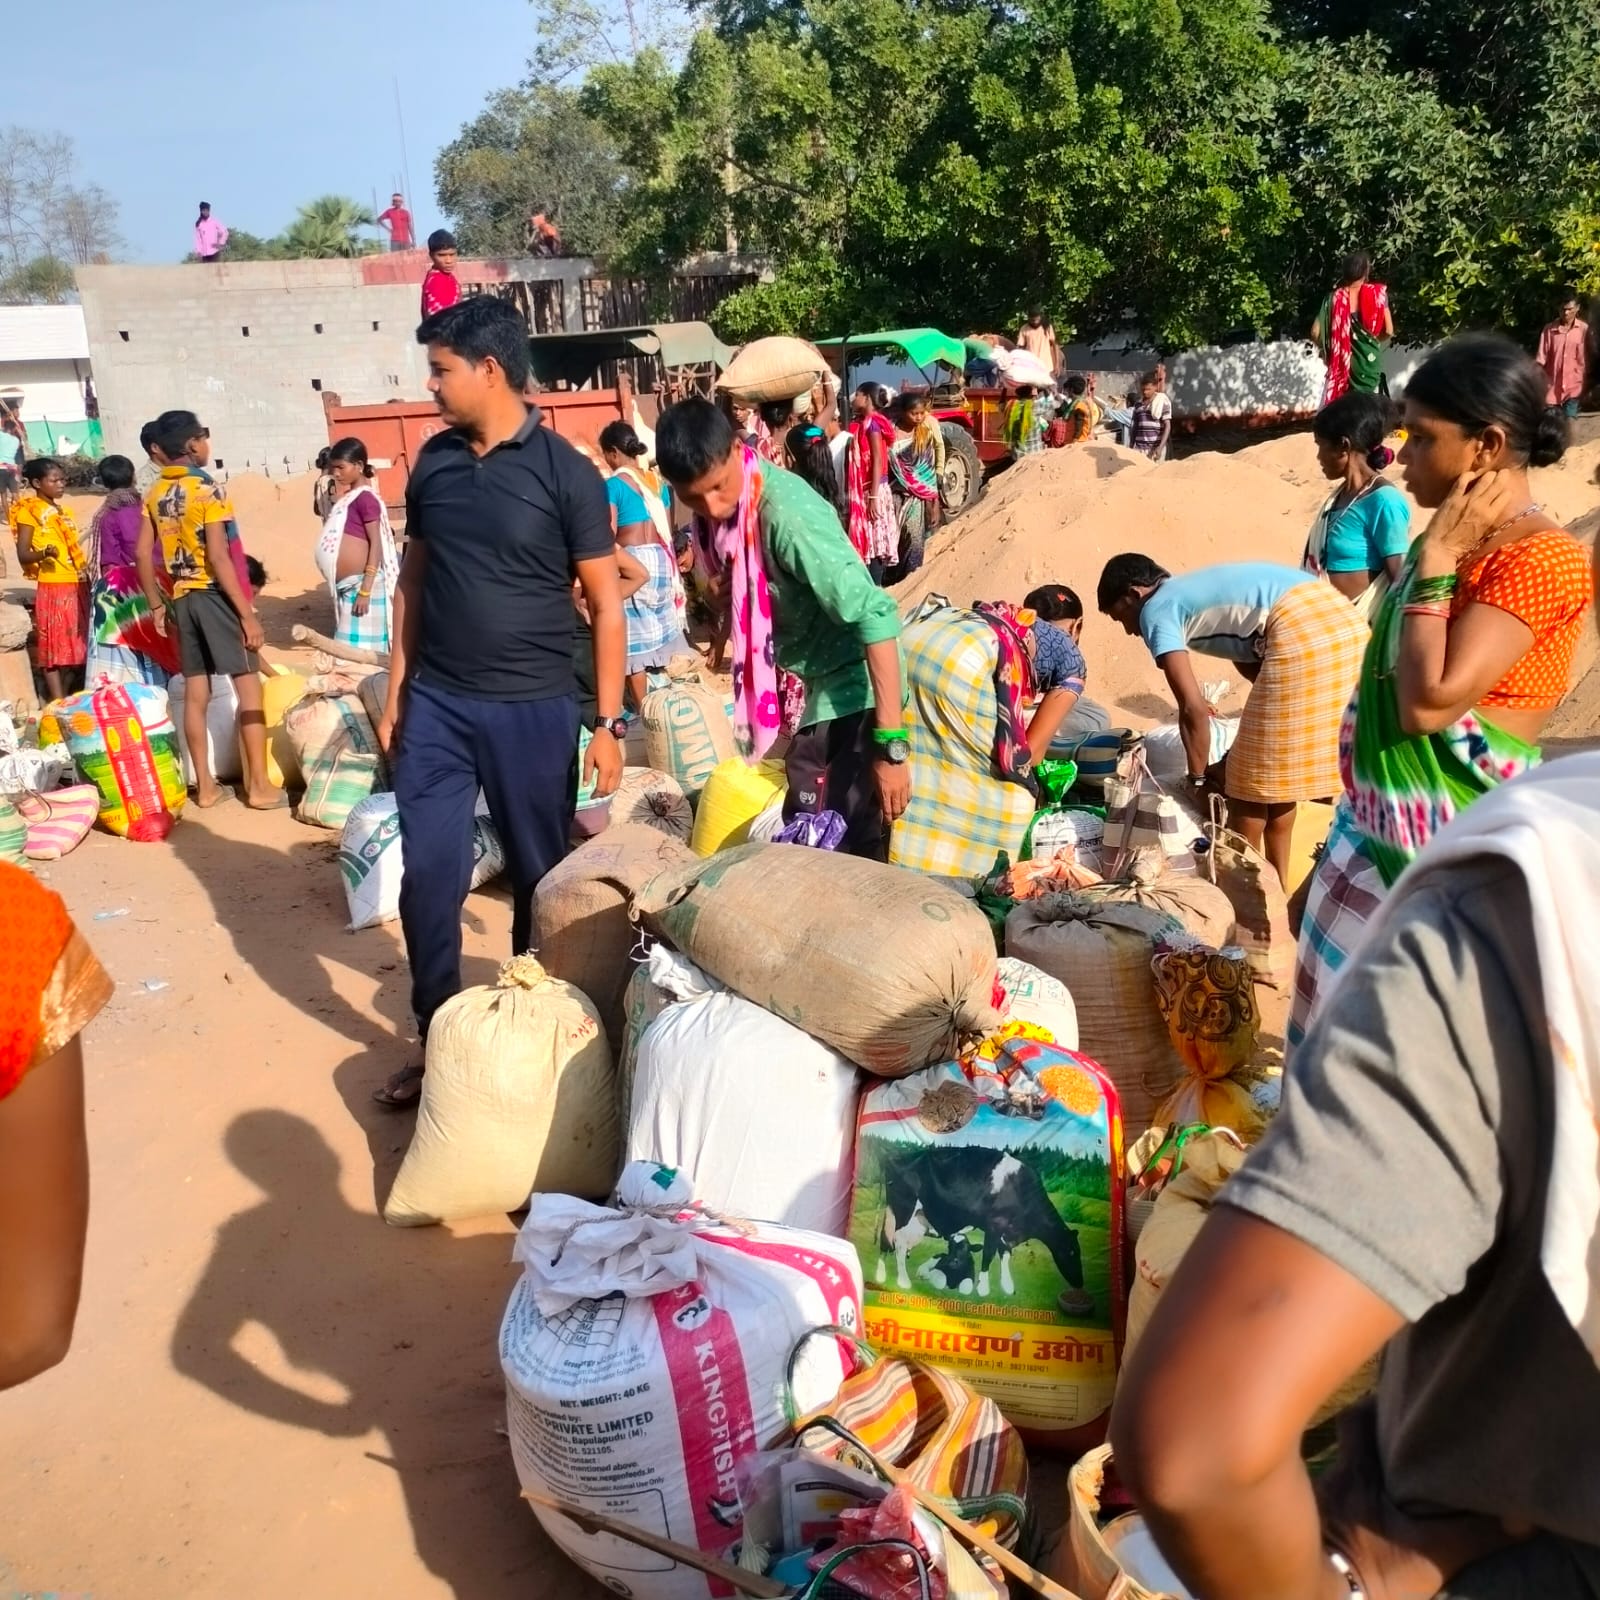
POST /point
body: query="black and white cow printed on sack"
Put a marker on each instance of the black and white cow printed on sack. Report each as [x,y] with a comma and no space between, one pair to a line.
[947,1192]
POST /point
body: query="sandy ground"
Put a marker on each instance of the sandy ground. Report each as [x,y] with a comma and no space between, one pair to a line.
[272,1393]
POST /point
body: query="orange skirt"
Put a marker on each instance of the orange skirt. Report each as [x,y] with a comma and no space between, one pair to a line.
[61,625]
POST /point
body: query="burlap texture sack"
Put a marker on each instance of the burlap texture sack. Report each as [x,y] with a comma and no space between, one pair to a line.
[580,910]
[889,968]
[1101,947]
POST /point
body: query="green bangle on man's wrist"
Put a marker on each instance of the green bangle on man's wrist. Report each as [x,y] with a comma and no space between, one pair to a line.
[888,735]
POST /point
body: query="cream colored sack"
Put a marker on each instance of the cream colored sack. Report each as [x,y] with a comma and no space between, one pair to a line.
[687,734]
[1101,950]
[517,1098]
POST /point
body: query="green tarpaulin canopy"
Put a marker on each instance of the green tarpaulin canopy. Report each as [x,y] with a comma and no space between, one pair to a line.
[927,347]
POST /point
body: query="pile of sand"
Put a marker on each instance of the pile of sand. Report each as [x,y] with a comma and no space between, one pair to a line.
[1058,516]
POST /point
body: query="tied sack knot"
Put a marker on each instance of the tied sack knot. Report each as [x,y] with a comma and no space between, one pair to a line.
[691,1215]
[522,972]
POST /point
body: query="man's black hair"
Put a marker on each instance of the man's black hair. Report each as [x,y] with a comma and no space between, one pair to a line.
[1122,574]
[40,468]
[115,472]
[692,438]
[148,435]
[256,573]
[481,327]
[174,432]
[441,239]
[1077,385]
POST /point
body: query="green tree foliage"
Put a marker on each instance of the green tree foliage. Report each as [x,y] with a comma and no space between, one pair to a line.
[1194,168]
[45,280]
[328,228]
[528,148]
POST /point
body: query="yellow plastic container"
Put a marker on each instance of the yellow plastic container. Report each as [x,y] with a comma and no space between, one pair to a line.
[280,689]
[1312,820]
[734,796]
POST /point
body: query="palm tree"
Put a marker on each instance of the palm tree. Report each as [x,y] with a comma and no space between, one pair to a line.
[328,227]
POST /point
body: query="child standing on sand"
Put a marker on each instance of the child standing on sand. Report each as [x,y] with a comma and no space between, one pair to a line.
[188,519]
[47,546]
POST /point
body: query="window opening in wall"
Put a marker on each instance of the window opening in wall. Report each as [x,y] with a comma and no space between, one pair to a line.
[122,333]
[316,383]
[244,333]
[318,327]
[374,327]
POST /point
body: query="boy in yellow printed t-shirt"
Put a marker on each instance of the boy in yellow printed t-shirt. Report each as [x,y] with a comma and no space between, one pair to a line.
[47,545]
[187,518]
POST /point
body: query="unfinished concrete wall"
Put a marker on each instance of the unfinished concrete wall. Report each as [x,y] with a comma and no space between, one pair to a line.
[176,336]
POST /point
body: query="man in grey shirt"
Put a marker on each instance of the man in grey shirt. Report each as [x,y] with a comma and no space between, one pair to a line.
[1399,1200]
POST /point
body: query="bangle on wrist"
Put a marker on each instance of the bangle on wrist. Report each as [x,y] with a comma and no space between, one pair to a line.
[887,735]
[1426,590]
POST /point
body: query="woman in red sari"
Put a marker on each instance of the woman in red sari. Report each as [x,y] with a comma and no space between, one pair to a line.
[1352,328]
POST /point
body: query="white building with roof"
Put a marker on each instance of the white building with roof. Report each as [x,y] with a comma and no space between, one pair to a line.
[44,357]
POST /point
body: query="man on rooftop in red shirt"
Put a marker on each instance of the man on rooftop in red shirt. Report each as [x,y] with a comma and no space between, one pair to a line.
[397,221]
[440,288]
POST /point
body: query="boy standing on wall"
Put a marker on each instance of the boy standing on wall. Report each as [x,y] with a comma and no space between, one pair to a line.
[441,289]
[187,517]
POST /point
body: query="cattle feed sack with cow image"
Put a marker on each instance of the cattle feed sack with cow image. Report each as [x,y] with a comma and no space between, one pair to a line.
[987,1215]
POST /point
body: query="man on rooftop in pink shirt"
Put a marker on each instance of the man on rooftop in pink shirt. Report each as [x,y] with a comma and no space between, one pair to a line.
[210,237]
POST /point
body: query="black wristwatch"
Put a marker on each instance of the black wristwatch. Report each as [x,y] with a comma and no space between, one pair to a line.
[617,727]
[895,751]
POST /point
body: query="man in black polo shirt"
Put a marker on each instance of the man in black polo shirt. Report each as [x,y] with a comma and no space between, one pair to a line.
[500,513]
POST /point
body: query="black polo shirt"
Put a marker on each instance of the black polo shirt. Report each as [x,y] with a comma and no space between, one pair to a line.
[503,532]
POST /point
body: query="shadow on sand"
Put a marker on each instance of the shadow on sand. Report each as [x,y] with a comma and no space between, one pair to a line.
[404,1324]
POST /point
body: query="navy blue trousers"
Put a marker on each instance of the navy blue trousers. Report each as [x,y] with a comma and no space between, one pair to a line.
[523,754]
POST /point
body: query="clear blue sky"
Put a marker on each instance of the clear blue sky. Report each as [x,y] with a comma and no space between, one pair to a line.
[265,103]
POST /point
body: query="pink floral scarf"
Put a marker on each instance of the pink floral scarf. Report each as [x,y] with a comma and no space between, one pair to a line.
[732,550]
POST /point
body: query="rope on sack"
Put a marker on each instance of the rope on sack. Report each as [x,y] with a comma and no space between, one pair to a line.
[694,1213]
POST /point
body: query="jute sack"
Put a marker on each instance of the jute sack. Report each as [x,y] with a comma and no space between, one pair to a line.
[653,799]
[687,734]
[1260,906]
[1101,949]
[1201,906]
[580,913]
[777,368]
[517,1099]
[889,968]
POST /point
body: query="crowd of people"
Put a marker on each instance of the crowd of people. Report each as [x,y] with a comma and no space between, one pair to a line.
[1431,1182]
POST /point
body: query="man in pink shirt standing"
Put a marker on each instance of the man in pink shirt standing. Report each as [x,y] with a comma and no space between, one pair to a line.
[1564,355]
[210,237]
[397,221]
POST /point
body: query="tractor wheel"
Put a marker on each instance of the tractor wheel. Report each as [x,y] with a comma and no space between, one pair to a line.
[962,482]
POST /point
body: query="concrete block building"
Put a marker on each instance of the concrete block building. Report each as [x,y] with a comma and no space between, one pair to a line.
[253,347]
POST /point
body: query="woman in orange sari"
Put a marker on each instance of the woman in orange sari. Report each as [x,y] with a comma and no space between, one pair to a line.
[50,987]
